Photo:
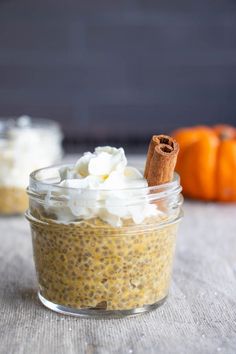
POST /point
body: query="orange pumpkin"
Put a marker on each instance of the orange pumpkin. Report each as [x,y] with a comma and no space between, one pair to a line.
[207,162]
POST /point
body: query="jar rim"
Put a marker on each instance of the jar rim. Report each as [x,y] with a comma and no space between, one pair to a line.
[39,184]
[35,122]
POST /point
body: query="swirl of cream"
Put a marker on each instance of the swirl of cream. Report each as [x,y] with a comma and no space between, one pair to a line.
[102,185]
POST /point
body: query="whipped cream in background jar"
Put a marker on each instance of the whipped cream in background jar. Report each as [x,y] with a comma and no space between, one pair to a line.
[26,144]
[103,240]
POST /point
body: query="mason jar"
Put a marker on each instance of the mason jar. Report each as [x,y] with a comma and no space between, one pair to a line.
[25,145]
[86,266]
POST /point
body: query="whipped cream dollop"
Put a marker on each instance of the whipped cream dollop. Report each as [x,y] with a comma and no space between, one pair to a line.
[101,185]
[26,145]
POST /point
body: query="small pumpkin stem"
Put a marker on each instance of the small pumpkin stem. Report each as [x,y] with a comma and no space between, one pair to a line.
[224,135]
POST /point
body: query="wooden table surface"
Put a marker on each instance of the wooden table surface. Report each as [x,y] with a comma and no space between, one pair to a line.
[198,317]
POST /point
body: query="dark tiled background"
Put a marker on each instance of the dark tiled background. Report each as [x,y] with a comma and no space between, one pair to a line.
[117,71]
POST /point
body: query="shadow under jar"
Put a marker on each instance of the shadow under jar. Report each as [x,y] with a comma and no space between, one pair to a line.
[87,267]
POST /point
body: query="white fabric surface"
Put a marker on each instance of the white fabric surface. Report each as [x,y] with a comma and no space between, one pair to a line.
[198,317]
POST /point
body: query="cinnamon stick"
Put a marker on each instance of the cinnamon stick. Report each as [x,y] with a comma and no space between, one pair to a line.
[161,160]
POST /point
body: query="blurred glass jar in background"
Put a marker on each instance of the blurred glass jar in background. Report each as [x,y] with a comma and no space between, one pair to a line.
[25,145]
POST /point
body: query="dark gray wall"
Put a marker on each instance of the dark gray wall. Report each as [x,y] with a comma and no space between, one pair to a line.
[119,69]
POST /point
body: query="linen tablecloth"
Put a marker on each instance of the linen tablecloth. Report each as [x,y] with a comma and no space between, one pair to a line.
[198,317]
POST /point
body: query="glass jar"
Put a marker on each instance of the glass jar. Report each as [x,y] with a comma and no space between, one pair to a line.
[25,145]
[87,267]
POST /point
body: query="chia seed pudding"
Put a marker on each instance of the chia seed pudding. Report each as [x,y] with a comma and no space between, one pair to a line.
[101,250]
[13,200]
